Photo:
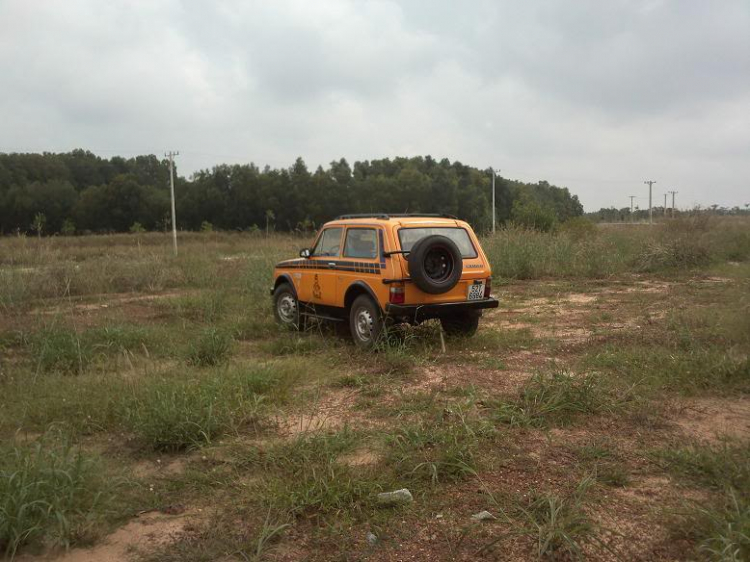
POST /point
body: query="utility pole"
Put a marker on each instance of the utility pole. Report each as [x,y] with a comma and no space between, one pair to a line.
[494,173]
[673,194]
[631,206]
[665,204]
[171,156]
[650,184]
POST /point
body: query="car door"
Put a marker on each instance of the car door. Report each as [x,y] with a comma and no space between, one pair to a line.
[319,276]
[360,259]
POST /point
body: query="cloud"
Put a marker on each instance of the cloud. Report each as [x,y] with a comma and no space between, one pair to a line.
[596,96]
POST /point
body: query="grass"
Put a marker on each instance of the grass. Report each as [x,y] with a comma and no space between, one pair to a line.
[444,447]
[557,398]
[305,477]
[61,349]
[50,492]
[176,412]
[120,347]
[211,348]
[560,524]
[719,527]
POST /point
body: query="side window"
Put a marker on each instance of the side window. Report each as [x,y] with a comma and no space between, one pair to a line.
[361,243]
[329,243]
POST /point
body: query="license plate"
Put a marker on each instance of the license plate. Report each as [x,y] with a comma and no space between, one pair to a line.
[476,291]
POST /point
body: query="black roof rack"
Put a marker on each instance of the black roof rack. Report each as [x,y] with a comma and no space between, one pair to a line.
[385,216]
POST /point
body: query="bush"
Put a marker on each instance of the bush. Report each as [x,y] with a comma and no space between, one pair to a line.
[579,228]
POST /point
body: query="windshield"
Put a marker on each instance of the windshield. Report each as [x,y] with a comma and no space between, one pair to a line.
[410,236]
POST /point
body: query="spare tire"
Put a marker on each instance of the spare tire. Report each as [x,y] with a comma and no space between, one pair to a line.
[435,264]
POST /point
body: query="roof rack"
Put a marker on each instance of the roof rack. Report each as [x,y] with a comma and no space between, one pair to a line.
[384,216]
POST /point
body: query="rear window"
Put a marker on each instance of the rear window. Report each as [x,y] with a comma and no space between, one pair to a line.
[410,236]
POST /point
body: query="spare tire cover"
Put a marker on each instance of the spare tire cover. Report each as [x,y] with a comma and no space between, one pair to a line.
[435,264]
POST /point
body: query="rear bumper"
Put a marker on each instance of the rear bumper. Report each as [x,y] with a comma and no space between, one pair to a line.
[420,312]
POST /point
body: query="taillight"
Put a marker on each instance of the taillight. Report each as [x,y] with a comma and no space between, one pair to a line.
[487,287]
[396,294]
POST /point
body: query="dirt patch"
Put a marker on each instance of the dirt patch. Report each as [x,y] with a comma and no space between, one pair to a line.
[148,531]
[710,419]
[360,457]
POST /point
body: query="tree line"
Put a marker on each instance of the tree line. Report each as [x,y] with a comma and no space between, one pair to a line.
[79,192]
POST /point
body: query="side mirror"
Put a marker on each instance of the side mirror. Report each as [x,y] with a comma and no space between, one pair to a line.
[304,253]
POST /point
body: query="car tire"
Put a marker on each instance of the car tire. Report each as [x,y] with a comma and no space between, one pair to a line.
[462,324]
[286,306]
[365,322]
[435,264]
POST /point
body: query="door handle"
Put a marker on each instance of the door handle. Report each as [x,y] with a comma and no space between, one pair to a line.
[331,264]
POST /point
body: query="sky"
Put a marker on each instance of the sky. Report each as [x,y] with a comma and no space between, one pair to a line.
[595,96]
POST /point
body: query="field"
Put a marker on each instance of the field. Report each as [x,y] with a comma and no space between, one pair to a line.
[150,409]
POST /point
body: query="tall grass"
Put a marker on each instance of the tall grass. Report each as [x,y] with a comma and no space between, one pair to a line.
[50,493]
[178,412]
[681,244]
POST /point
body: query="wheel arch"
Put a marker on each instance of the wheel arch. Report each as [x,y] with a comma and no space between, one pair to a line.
[356,289]
[285,278]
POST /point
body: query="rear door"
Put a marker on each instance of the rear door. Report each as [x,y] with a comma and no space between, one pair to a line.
[362,259]
[474,268]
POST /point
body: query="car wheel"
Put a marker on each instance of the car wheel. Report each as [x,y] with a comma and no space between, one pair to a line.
[286,306]
[464,324]
[435,264]
[365,322]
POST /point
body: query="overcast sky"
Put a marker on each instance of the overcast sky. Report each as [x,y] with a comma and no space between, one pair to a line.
[594,95]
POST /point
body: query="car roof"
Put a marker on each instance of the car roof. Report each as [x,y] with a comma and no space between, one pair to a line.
[387,220]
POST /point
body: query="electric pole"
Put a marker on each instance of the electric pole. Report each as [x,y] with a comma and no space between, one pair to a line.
[665,204]
[494,173]
[631,206]
[673,194]
[171,156]
[650,184]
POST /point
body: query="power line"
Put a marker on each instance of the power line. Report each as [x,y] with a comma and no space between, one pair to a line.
[171,156]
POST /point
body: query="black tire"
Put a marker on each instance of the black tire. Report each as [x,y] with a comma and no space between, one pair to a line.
[463,324]
[365,322]
[435,264]
[286,306]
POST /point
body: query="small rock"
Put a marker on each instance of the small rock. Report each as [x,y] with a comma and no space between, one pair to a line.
[372,539]
[483,516]
[397,497]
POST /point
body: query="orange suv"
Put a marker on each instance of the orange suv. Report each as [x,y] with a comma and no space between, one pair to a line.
[368,270]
